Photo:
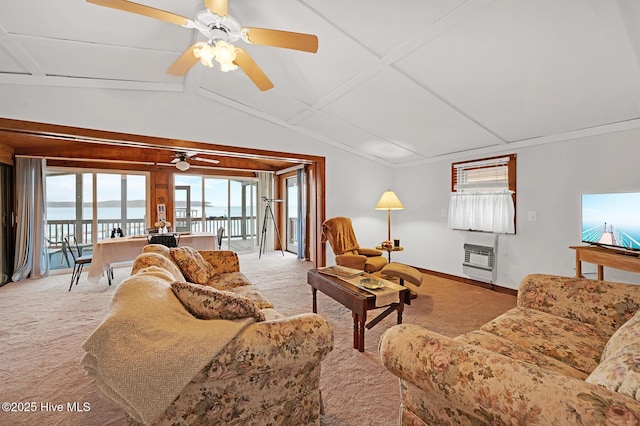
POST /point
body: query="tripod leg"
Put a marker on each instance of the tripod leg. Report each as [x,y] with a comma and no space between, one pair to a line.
[264,232]
[275,225]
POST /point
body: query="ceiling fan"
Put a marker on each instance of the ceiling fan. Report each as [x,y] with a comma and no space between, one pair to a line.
[181,158]
[221,30]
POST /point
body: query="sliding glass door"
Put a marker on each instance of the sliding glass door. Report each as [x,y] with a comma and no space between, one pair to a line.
[222,206]
[292,214]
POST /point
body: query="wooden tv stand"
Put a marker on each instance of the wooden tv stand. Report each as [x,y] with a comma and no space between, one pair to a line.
[612,258]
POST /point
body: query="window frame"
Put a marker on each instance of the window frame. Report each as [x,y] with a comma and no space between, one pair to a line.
[491,162]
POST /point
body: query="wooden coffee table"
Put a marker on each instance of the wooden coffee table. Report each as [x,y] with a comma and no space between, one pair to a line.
[359,301]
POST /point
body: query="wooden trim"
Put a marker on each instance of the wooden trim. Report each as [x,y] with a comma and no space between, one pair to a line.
[469,281]
[106,138]
[6,155]
[319,175]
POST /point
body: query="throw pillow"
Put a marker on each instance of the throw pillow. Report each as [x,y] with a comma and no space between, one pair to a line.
[154,259]
[208,303]
[194,267]
[620,372]
[628,333]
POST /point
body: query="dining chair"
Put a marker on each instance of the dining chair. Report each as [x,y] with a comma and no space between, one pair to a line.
[169,240]
[53,248]
[78,261]
[220,236]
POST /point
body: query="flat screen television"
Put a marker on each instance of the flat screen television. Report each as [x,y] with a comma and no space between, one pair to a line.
[612,220]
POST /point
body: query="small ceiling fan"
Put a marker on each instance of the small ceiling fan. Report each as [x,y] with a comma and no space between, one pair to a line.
[221,30]
[181,158]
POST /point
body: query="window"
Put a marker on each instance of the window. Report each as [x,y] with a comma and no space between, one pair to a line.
[89,205]
[218,204]
[483,195]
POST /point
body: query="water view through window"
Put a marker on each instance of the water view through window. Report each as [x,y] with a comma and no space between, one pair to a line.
[88,206]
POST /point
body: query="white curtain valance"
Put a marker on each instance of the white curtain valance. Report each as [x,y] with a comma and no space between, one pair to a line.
[482,211]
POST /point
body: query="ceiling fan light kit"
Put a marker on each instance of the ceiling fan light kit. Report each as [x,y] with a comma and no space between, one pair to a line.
[182,165]
[180,160]
[220,30]
[223,52]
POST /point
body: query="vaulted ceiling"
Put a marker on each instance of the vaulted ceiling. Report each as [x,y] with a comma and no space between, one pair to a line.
[397,82]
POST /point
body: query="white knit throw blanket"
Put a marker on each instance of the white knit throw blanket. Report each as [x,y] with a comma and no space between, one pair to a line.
[149,347]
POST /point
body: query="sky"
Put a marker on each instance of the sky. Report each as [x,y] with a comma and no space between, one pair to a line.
[62,188]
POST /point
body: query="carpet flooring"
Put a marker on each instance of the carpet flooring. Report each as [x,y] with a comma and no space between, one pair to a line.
[42,327]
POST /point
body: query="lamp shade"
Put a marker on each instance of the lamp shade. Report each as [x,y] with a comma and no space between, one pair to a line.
[389,201]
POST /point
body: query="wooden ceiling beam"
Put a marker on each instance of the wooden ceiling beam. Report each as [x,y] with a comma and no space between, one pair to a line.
[22,134]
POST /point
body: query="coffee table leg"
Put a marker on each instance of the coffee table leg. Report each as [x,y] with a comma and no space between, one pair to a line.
[356,333]
[363,320]
[314,292]
[400,307]
[359,322]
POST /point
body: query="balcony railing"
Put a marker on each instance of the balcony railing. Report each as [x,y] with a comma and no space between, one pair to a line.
[236,227]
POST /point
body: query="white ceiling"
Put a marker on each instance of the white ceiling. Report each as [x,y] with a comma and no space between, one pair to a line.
[401,85]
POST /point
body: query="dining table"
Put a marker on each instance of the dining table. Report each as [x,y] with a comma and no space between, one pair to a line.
[122,249]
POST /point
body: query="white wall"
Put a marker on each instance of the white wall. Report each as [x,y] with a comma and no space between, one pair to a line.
[550,181]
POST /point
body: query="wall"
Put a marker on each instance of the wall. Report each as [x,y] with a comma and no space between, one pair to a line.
[550,181]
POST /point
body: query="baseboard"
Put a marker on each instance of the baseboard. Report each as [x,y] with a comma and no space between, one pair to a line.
[489,286]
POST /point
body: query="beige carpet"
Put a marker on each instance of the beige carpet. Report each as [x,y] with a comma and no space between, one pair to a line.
[42,327]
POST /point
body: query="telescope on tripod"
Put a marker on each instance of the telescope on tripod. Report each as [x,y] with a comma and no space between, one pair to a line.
[268,212]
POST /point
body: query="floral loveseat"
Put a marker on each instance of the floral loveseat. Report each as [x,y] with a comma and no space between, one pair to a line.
[567,354]
[174,352]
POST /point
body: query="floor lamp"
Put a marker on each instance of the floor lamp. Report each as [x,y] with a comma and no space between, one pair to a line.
[389,201]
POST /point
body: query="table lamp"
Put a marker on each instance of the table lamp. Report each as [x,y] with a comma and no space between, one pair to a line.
[389,201]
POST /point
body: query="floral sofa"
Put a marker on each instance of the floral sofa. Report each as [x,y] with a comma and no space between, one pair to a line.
[567,354]
[192,343]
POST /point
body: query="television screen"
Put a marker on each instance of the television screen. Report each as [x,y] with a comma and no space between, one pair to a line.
[612,219]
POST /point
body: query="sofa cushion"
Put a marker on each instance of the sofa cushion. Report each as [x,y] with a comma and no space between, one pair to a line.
[194,267]
[620,372]
[208,303]
[229,280]
[145,260]
[252,293]
[514,351]
[627,334]
[575,343]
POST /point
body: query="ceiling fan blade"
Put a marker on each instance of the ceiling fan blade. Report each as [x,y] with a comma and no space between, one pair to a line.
[253,71]
[219,7]
[184,63]
[286,39]
[175,160]
[141,9]
[206,160]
